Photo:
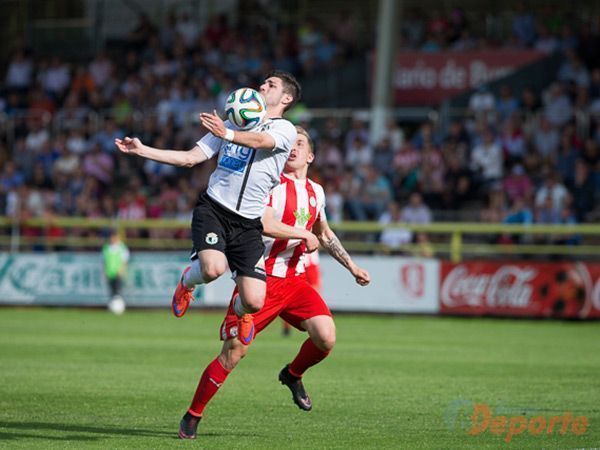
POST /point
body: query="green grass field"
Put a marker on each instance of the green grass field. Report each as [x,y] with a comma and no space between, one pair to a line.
[84,378]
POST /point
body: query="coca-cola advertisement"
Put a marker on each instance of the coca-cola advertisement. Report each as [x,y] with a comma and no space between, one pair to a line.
[569,290]
[427,79]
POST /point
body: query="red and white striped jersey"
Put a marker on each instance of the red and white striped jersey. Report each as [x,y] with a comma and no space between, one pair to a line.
[298,203]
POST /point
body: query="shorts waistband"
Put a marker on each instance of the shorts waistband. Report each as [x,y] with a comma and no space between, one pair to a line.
[226,211]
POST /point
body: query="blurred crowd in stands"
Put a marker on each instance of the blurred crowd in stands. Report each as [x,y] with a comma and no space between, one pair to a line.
[515,157]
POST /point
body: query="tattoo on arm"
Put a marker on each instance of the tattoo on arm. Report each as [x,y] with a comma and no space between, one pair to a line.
[334,248]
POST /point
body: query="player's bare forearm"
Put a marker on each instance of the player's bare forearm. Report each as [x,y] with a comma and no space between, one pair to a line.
[174,157]
[334,247]
[279,230]
[251,139]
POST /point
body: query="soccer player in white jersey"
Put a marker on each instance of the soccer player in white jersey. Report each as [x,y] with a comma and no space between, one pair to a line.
[226,223]
[296,210]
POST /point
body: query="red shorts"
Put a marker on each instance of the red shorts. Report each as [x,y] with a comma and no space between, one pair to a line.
[313,276]
[291,298]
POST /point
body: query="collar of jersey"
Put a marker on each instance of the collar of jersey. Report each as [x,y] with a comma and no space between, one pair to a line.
[303,180]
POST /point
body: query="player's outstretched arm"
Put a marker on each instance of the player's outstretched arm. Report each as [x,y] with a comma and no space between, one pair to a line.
[251,139]
[279,230]
[335,248]
[187,158]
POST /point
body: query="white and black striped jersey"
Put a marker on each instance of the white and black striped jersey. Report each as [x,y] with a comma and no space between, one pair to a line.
[245,176]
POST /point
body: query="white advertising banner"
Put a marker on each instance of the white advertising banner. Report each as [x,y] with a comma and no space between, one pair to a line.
[407,285]
[398,284]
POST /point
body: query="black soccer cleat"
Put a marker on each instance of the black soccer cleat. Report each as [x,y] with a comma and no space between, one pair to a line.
[188,426]
[299,395]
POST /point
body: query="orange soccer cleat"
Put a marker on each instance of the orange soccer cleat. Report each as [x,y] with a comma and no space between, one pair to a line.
[182,297]
[246,329]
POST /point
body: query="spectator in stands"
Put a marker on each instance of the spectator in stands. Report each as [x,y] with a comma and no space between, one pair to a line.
[507,104]
[373,195]
[573,72]
[19,74]
[394,135]
[406,162]
[513,141]
[557,106]
[424,135]
[523,25]
[56,78]
[546,139]
[357,129]
[416,211]
[517,184]
[10,177]
[547,214]
[100,165]
[393,237]
[487,161]
[482,103]
[458,183]
[583,190]
[554,189]
[350,190]
[334,203]
[101,69]
[359,153]
[546,42]
[519,213]
[383,157]
[566,158]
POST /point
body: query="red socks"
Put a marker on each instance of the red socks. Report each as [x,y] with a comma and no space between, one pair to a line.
[213,377]
[308,356]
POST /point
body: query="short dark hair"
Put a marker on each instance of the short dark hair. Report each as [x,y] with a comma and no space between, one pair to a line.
[290,85]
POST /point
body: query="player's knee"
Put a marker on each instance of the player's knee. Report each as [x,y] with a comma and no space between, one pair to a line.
[213,271]
[325,340]
[254,302]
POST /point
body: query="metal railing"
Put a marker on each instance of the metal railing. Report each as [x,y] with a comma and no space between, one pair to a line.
[452,240]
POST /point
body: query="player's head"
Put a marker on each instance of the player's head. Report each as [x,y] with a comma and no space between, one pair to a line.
[114,236]
[302,153]
[280,89]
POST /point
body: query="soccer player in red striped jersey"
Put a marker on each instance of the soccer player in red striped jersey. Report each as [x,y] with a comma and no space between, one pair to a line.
[293,221]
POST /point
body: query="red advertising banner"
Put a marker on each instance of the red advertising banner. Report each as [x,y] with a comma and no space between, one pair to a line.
[427,79]
[561,290]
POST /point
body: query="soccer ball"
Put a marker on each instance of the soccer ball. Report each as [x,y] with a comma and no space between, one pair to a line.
[245,108]
[116,305]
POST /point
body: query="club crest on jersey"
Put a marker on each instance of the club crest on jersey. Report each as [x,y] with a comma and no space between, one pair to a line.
[211,238]
[313,202]
[302,216]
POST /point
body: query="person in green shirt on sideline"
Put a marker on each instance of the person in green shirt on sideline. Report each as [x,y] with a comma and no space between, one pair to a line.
[116,257]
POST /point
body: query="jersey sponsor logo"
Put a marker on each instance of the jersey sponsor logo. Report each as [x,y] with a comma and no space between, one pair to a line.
[211,238]
[235,158]
[302,216]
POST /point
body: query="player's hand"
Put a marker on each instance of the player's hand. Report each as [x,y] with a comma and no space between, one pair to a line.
[361,276]
[311,242]
[213,123]
[129,145]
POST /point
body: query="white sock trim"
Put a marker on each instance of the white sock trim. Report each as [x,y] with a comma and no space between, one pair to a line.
[238,306]
[194,275]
